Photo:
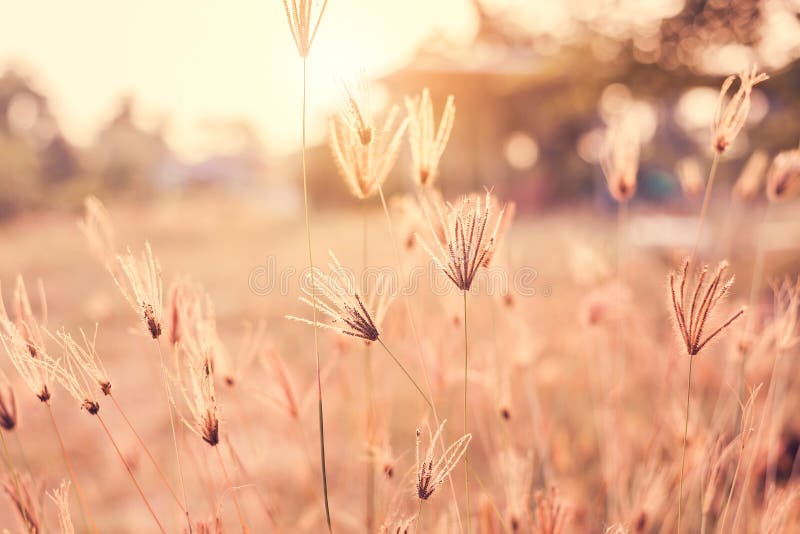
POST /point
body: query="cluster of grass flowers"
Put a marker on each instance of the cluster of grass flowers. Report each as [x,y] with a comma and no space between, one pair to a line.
[550,444]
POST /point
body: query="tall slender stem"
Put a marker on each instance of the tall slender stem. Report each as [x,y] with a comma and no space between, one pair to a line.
[466,380]
[174,434]
[81,497]
[321,416]
[405,371]
[685,433]
[370,464]
[245,530]
[130,473]
[148,453]
[706,197]
[419,516]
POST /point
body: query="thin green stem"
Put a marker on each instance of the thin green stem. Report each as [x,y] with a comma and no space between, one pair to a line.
[408,375]
[466,366]
[130,473]
[685,433]
[320,413]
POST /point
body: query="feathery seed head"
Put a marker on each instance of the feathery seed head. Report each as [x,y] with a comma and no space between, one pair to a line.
[432,473]
[337,297]
[692,321]
[783,179]
[60,498]
[139,280]
[29,360]
[731,115]
[85,356]
[197,385]
[304,17]
[75,375]
[426,141]
[27,324]
[619,158]
[470,236]
[364,155]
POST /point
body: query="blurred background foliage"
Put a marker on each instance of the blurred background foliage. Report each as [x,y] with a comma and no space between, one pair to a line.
[534,88]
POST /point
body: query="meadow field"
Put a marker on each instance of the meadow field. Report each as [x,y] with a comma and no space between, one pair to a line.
[539,272]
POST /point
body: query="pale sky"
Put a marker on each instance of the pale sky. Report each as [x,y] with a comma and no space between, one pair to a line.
[209,59]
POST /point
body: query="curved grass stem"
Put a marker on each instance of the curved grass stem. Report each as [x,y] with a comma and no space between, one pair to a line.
[320,413]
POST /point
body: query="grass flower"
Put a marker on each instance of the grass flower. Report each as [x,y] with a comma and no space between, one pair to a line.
[364,154]
[783,179]
[28,361]
[27,324]
[84,355]
[426,141]
[692,323]
[432,472]
[344,305]
[731,114]
[304,17]
[619,158]
[139,280]
[60,498]
[470,235]
[197,385]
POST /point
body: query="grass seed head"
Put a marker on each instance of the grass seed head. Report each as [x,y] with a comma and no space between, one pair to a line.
[139,280]
[431,473]
[692,316]
[470,236]
[337,297]
[364,154]
[731,114]
[426,140]
[304,17]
